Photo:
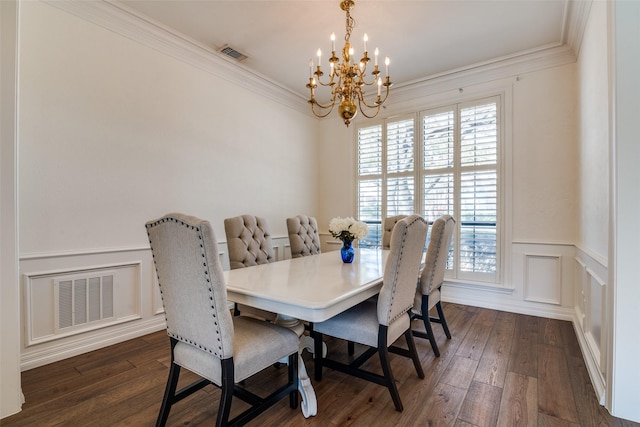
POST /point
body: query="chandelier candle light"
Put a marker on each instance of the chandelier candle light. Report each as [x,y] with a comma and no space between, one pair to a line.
[347,79]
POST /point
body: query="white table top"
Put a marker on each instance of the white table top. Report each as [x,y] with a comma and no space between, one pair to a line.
[312,288]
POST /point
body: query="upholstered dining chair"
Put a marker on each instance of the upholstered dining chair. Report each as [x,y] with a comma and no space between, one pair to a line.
[431,280]
[249,243]
[379,324]
[303,236]
[387,228]
[205,338]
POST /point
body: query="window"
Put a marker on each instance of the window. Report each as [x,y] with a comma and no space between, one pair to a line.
[452,169]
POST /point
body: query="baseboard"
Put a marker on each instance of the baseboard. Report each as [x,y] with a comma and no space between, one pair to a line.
[84,343]
[597,379]
[495,299]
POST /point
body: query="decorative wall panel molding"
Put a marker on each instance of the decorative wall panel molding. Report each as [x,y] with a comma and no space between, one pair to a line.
[590,316]
[543,278]
[80,300]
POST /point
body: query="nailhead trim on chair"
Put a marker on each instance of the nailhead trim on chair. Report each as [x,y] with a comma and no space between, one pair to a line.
[402,313]
[206,272]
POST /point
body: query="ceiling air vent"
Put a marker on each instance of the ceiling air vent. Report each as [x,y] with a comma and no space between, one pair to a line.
[232,53]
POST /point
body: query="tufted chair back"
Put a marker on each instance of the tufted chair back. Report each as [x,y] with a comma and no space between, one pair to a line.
[303,236]
[248,241]
[387,228]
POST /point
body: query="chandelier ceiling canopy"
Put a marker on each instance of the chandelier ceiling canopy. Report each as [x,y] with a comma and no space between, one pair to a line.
[347,79]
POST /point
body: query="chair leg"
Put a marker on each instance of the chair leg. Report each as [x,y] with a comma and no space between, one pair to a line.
[442,320]
[414,353]
[430,336]
[427,325]
[318,356]
[169,393]
[350,348]
[226,395]
[386,368]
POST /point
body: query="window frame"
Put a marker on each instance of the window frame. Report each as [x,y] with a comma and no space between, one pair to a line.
[502,208]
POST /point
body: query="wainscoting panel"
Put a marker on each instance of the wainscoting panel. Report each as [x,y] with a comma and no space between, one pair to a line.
[595,319]
[79,301]
[580,285]
[73,303]
[543,278]
[590,317]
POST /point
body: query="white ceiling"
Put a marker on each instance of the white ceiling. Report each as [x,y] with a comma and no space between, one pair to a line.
[423,39]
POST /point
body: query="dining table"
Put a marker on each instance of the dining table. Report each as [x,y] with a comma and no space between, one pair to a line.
[312,288]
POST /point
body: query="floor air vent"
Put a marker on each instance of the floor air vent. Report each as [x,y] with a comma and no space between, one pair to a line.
[84,299]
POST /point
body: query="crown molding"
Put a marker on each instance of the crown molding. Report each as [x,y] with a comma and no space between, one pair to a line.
[121,20]
[576,17]
[500,68]
[116,17]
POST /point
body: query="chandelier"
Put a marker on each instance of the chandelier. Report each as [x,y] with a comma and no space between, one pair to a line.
[347,79]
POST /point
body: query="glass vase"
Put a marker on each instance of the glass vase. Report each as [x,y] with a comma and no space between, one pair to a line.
[347,252]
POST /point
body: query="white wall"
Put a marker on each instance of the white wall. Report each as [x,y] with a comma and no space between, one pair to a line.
[593,160]
[545,179]
[115,131]
[110,141]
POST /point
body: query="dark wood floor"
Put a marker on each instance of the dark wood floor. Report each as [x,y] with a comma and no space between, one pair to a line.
[498,369]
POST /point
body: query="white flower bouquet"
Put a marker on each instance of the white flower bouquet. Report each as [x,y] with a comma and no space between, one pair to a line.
[347,229]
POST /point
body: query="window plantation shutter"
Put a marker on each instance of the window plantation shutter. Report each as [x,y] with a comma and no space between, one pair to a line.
[370,182]
[436,162]
[478,188]
[460,177]
[400,168]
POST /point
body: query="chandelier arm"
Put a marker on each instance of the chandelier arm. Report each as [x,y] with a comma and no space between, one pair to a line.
[319,81]
[363,102]
[313,110]
[386,93]
[324,107]
[363,111]
[328,84]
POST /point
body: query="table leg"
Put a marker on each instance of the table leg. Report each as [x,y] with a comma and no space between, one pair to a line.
[309,402]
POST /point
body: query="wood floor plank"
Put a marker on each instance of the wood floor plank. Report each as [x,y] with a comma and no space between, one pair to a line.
[122,385]
[584,395]
[555,395]
[550,332]
[492,367]
[523,358]
[519,404]
[476,337]
[481,405]
[569,340]
[545,420]
[442,407]
[460,372]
